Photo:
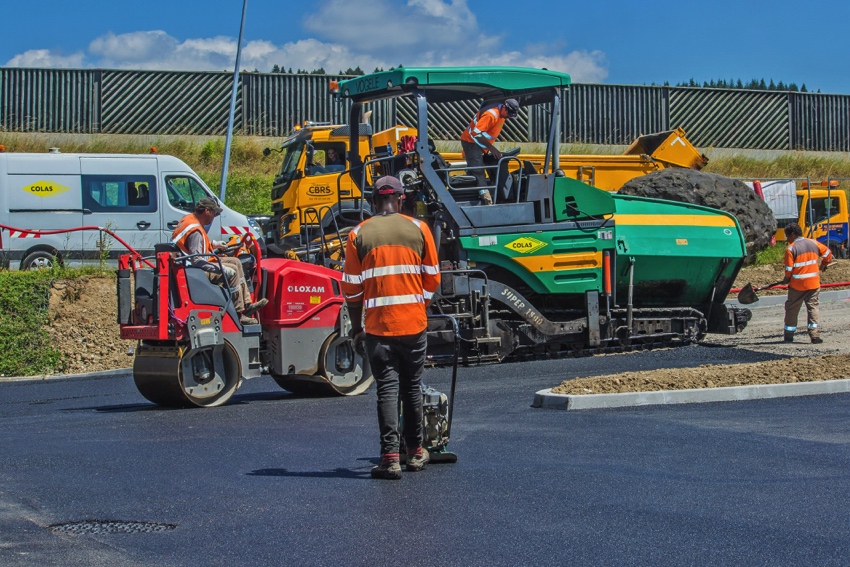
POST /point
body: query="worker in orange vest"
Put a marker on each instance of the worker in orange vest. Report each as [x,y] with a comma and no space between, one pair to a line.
[478,138]
[802,275]
[190,237]
[391,273]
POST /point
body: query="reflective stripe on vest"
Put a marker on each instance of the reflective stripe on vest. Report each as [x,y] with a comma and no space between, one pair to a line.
[473,132]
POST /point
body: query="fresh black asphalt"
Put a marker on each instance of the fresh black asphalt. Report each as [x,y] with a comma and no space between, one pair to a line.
[276,479]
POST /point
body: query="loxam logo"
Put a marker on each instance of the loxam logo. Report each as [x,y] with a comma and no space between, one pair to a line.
[525,245]
[319,190]
[306,289]
[45,189]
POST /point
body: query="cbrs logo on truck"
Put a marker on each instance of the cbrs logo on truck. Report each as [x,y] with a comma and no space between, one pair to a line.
[45,189]
[320,190]
[525,245]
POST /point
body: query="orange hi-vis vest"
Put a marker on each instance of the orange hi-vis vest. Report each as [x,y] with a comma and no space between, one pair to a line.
[802,259]
[391,266]
[185,227]
[487,123]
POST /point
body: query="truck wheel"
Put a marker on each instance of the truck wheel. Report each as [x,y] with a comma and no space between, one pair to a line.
[839,250]
[39,259]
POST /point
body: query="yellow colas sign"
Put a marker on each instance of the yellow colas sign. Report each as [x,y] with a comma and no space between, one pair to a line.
[45,189]
[525,245]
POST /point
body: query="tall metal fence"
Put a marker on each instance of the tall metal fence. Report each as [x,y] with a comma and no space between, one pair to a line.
[196,103]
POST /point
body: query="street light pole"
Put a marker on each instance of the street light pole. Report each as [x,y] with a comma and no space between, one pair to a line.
[223,187]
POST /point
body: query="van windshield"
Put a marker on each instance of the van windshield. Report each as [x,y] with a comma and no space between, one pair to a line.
[183,192]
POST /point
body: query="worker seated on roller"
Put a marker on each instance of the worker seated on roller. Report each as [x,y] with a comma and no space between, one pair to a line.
[191,238]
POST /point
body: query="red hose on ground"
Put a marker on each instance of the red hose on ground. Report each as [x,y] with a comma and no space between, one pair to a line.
[783,286]
[77,229]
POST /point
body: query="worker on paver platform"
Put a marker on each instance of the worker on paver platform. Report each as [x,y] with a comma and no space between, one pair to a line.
[190,237]
[480,136]
[802,275]
[391,273]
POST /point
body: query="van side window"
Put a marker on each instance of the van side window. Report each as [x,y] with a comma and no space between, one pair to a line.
[183,192]
[105,193]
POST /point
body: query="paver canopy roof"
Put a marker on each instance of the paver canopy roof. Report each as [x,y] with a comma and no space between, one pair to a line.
[448,84]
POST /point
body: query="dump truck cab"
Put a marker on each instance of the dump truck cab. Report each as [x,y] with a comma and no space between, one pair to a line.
[824,217]
[310,193]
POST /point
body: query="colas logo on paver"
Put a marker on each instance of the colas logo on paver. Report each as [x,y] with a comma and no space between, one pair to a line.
[525,245]
[45,189]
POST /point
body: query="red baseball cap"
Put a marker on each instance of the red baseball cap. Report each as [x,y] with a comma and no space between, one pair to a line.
[388,185]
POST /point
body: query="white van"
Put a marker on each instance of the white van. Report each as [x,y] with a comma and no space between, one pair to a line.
[140,198]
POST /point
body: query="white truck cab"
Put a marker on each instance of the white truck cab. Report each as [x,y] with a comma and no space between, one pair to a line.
[140,198]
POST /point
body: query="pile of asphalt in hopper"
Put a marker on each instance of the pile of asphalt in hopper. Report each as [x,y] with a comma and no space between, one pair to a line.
[715,191]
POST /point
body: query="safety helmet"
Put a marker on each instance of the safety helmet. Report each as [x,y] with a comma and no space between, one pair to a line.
[512,107]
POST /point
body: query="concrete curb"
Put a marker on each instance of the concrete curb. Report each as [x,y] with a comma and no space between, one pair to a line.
[46,377]
[546,399]
[771,300]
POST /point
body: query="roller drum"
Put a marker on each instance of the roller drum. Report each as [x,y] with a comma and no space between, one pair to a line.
[173,376]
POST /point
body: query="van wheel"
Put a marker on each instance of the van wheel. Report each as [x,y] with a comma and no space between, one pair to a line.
[39,260]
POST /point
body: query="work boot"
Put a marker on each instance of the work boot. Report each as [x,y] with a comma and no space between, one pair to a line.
[816,340]
[245,320]
[254,307]
[416,463]
[789,336]
[486,198]
[390,470]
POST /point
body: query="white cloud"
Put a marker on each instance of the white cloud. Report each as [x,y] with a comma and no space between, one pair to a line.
[46,58]
[346,34]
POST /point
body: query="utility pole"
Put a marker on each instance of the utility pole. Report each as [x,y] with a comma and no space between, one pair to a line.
[229,137]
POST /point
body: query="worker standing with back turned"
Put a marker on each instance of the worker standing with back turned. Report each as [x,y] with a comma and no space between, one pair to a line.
[391,273]
[802,275]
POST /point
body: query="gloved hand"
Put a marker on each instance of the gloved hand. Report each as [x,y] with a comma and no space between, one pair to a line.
[358,337]
[229,272]
[824,266]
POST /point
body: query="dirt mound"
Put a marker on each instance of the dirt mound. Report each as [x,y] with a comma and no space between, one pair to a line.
[826,367]
[715,191]
[84,326]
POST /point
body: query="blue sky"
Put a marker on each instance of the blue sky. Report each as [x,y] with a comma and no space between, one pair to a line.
[614,42]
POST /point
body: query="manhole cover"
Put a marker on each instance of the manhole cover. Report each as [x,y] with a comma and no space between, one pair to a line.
[109,527]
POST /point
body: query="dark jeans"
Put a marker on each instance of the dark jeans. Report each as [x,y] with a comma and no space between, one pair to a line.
[397,363]
[474,158]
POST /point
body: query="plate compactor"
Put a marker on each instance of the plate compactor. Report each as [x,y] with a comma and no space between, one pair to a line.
[193,351]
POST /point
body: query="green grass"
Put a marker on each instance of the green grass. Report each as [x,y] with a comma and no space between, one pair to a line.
[25,347]
[773,255]
[787,165]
